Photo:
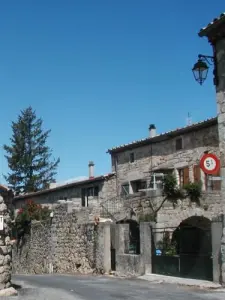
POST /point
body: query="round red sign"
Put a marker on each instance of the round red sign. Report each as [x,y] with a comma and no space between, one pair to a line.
[210,164]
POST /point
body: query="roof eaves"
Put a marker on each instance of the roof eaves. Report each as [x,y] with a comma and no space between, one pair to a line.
[86,181]
[162,135]
[217,21]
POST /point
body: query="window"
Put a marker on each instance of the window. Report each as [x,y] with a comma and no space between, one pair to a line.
[93,191]
[213,183]
[179,144]
[125,189]
[83,202]
[156,181]
[138,185]
[183,176]
[83,197]
[132,157]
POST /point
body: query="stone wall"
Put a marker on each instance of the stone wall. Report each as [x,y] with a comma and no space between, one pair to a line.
[170,216]
[219,51]
[34,256]
[131,264]
[5,246]
[66,245]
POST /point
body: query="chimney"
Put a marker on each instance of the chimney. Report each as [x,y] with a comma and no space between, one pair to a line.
[91,169]
[152,130]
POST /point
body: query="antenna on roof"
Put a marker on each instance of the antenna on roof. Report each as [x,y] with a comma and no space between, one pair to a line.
[189,119]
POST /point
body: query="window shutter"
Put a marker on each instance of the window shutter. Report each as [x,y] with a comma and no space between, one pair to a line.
[186,175]
[217,184]
[197,173]
[125,189]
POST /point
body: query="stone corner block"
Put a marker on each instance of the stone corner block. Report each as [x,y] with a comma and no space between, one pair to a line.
[8,292]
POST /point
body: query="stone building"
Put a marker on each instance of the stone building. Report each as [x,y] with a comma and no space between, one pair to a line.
[186,231]
[88,192]
[136,180]
[215,33]
[140,165]
[195,228]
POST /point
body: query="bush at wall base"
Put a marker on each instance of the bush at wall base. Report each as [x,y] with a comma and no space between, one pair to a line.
[29,212]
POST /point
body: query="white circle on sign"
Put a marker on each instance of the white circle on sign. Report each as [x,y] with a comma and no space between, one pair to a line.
[210,164]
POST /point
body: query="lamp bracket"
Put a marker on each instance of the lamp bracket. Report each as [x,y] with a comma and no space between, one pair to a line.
[209,59]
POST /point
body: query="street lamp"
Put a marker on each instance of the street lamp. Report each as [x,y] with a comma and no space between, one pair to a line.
[200,69]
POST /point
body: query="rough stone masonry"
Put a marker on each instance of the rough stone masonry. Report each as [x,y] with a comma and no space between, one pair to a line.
[5,248]
[67,244]
[215,32]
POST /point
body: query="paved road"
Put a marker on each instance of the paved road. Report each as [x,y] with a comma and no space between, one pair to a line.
[59,287]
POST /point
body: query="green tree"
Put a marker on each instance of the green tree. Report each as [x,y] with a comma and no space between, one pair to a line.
[28,156]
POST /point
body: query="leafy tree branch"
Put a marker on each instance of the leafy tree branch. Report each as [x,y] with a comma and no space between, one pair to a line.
[172,193]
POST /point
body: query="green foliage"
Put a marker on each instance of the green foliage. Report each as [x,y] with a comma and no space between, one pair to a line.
[28,156]
[167,246]
[31,211]
[172,192]
[170,188]
[194,191]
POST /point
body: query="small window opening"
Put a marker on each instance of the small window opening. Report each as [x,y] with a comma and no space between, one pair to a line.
[179,144]
[131,157]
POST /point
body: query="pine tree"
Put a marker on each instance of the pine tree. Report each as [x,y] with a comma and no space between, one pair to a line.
[28,156]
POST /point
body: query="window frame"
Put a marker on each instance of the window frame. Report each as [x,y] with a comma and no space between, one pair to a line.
[156,181]
[177,140]
[141,183]
[94,191]
[131,157]
[123,191]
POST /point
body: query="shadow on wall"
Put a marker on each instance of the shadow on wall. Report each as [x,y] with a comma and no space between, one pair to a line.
[134,236]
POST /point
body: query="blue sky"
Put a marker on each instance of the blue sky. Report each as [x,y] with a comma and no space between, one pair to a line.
[99,72]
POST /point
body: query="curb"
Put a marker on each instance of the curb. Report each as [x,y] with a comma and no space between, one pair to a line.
[172,280]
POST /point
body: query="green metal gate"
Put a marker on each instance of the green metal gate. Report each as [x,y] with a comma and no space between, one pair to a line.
[185,251]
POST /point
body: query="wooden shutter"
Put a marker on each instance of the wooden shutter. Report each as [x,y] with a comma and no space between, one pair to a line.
[186,175]
[197,173]
[217,184]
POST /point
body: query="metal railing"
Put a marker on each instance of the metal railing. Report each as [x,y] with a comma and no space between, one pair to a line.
[111,207]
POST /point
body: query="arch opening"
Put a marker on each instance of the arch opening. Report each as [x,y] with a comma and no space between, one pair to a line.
[194,246]
[185,251]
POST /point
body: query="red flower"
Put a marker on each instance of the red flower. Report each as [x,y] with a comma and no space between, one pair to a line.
[20,211]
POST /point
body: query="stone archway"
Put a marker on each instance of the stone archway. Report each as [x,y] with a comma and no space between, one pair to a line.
[194,247]
[178,215]
[185,250]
